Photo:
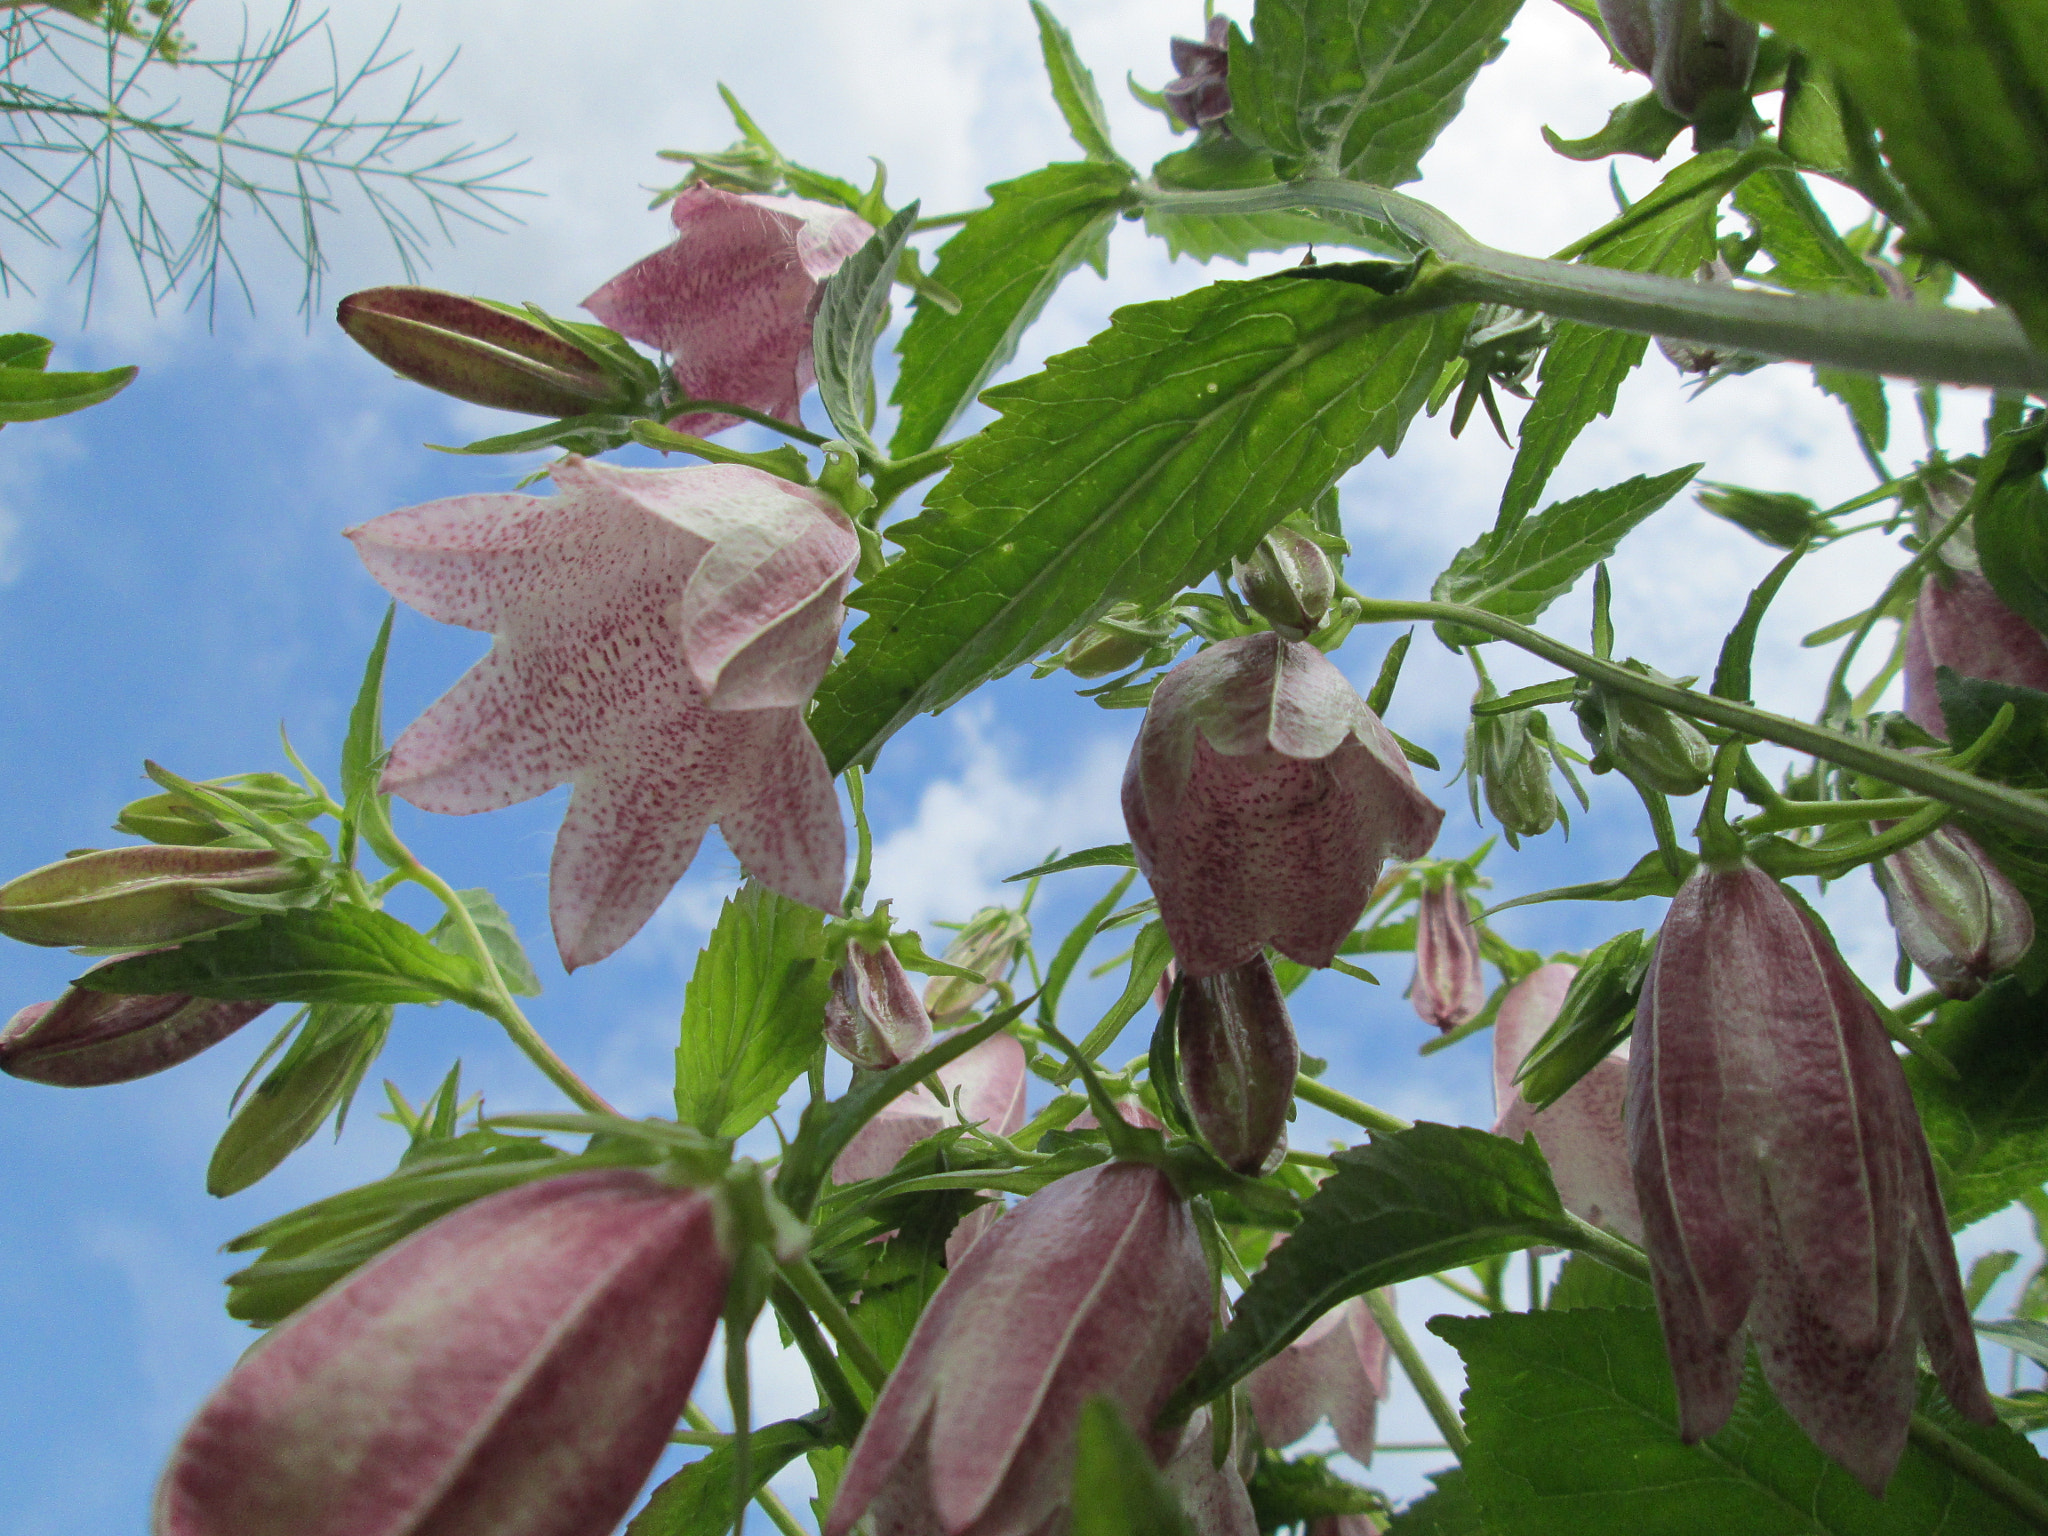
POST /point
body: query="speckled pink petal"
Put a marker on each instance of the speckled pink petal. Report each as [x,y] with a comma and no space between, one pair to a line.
[1961,623]
[1336,1370]
[1449,988]
[780,815]
[514,1369]
[493,740]
[1214,1498]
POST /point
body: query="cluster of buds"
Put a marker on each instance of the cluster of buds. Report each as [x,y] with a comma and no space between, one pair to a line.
[987,949]
[1508,758]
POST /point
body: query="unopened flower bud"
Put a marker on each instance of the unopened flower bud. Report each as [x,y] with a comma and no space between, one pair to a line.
[1510,758]
[1200,94]
[88,1039]
[1632,30]
[1703,50]
[1120,640]
[136,897]
[1960,623]
[988,945]
[1779,518]
[1289,581]
[1957,916]
[477,352]
[1449,989]
[1648,743]
[873,1017]
[1238,1061]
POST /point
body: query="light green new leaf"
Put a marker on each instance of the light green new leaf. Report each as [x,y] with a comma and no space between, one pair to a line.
[1987,1127]
[500,937]
[1960,90]
[1523,573]
[1669,232]
[1644,128]
[1359,88]
[27,394]
[1429,1198]
[1116,1490]
[318,1076]
[1073,88]
[754,1011]
[853,310]
[1574,1426]
[1003,264]
[344,954]
[1128,470]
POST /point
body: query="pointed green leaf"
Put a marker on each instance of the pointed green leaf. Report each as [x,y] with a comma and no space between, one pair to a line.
[1114,855]
[1002,264]
[1149,957]
[2010,514]
[500,937]
[1644,127]
[1523,573]
[1428,1198]
[754,1011]
[2024,1335]
[1988,1126]
[317,1077]
[1127,470]
[701,1500]
[853,310]
[1574,1427]
[1117,1492]
[22,350]
[344,954]
[27,394]
[1731,672]
[1359,88]
[1073,88]
[1650,876]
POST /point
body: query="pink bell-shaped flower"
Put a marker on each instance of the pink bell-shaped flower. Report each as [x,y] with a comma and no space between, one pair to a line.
[1096,1285]
[1214,1498]
[1200,93]
[1956,914]
[1262,796]
[1448,987]
[1337,1370]
[658,633]
[1960,623]
[730,299]
[1583,1135]
[516,1368]
[1785,1182]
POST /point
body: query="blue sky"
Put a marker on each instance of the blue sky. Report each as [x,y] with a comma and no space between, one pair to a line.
[173,586]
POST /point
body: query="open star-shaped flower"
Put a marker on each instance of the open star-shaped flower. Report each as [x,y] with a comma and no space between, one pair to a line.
[658,634]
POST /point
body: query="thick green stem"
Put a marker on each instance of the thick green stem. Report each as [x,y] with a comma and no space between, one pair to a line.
[802,434]
[1787,814]
[899,475]
[1381,1305]
[810,1287]
[1993,802]
[1345,1107]
[1868,335]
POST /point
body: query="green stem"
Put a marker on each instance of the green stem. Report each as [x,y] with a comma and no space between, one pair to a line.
[777,1512]
[1820,813]
[1381,1305]
[1994,802]
[899,475]
[1868,335]
[833,1386]
[1345,1107]
[1907,577]
[497,1002]
[810,1286]
[1459,1288]
[864,839]
[942,221]
[2026,1502]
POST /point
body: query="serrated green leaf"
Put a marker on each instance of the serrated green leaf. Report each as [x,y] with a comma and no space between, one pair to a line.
[1988,1127]
[1523,573]
[1585,1282]
[1449,1511]
[754,1011]
[1644,127]
[344,954]
[1219,163]
[2009,512]
[1073,89]
[1957,86]
[1429,1198]
[1002,264]
[27,394]
[317,1077]
[1359,88]
[1303,1490]
[1127,470]
[1111,855]
[1574,1422]
[1117,1491]
[1731,672]
[853,310]
[702,1499]
[1669,232]
[500,937]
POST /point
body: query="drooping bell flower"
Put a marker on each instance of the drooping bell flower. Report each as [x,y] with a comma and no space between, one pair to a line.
[1200,94]
[1583,1135]
[88,1039]
[730,299]
[1785,1182]
[874,1017]
[516,1368]
[1262,796]
[1337,1370]
[1960,623]
[1956,914]
[1095,1286]
[1214,1498]
[658,634]
[1238,1061]
[1448,988]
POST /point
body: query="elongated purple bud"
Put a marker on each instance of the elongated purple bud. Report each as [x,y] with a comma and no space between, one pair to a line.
[514,1368]
[88,1039]
[1957,916]
[476,352]
[138,897]
[1238,1061]
[1632,31]
[873,1017]
[1448,988]
[1960,623]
